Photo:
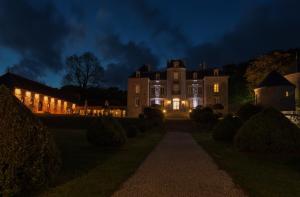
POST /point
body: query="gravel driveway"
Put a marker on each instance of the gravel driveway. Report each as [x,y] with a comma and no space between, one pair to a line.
[179,167]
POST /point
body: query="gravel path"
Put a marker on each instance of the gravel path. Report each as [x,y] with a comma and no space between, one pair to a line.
[178,167]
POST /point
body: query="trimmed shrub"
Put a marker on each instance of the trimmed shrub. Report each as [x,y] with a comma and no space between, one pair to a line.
[29,158]
[106,132]
[268,131]
[248,110]
[131,131]
[205,117]
[154,116]
[226,129]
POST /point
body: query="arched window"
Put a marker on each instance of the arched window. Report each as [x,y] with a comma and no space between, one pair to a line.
[40,106]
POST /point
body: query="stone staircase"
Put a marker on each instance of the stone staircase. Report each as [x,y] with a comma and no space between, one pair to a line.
[174,115]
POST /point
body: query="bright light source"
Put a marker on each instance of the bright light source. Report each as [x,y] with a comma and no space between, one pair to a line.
[28,94]
[190,110]
[36,96]
[164,111]
[17,91]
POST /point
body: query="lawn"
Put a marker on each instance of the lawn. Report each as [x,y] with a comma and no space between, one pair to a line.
[91,171]
[258,174]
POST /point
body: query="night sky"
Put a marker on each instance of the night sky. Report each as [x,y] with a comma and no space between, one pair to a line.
[37,35]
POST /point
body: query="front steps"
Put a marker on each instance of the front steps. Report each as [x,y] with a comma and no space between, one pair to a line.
[176,115]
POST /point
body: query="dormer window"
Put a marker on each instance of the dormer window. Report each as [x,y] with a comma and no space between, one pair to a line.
[195,75]
[176,64]
[157,76]
[216,72]
[138,74]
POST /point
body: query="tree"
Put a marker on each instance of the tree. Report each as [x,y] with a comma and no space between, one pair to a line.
[282,61]
[83,71]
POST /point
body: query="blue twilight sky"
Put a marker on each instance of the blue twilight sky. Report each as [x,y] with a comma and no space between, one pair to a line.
[37,35]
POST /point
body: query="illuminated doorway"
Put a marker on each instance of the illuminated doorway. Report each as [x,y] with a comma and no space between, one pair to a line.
[176,102]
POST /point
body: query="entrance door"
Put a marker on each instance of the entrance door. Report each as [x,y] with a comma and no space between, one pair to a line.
[176,102]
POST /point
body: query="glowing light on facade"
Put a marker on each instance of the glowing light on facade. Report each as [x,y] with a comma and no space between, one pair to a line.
[216,88]
[28,94]
[17,91]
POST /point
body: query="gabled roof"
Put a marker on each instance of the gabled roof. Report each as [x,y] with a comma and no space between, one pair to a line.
[12,81]
[275,79]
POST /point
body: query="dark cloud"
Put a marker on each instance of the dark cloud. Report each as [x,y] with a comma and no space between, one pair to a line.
[268,27]
[171,35]
[36,33]
[125,58]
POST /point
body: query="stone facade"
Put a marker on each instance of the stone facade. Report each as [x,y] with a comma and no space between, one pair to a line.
[176,89]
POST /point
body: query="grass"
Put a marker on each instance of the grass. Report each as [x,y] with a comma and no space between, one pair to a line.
[91,171]
[259,174]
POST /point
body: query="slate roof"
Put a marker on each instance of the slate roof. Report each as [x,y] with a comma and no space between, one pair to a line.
[12,81]
[275,79]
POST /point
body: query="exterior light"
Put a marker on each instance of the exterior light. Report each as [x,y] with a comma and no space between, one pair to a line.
[28,94]
[17,91]
[164,111]
[286,93]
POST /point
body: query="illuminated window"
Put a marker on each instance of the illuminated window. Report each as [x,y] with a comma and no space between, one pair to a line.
[216,88]
[137,89]
[17,91]
[36,96]
[28,94]
[287,94]
[175,75]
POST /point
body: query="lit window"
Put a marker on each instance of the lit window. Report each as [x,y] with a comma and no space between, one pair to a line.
[287,94]
[176,75]
[17,91]
[137,89]
[216,88]
[36,96]
[28,94]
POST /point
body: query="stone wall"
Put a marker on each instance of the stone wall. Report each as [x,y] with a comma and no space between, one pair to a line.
[134,109]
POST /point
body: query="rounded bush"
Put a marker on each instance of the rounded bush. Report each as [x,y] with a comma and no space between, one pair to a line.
[268,131]
[226,129]
[248,110]
[106,132]
[131,131]
[205,117]
[29,158]
[154,116]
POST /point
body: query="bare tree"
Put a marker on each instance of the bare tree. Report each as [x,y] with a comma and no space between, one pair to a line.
[84,71]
